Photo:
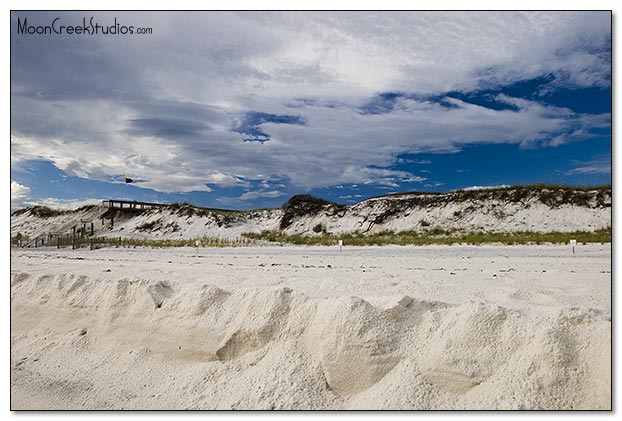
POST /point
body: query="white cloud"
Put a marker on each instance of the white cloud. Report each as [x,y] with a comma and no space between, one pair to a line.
[255,194]
[599,165]
[21,198]
[19,193]
[337,145]
[162,108]
[429,52]
[413,179]
[62,204]
[434,184]
[500,186]
[224,180]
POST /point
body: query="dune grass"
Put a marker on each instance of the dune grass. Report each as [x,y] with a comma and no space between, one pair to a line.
[100,242]
[165,243]
[434,236]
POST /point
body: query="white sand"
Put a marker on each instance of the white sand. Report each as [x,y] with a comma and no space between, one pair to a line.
[473,327]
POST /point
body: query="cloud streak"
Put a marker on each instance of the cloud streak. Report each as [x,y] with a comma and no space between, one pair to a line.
[599,165]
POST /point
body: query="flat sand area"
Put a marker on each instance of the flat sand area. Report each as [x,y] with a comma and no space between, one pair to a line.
[436,327]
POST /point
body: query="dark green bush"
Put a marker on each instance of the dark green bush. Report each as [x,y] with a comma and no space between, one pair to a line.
[319,228]
[44,212]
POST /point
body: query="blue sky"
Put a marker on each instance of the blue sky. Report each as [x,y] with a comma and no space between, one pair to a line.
[243,110]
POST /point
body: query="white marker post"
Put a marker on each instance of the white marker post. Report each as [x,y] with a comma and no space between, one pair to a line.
[340,245]
[573,243]
[196,243]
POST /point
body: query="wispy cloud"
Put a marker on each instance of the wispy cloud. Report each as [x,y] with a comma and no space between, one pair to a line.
[599,165]
[498,186]
[63,204]
[255,194]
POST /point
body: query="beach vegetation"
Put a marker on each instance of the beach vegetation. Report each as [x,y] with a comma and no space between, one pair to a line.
[435,235]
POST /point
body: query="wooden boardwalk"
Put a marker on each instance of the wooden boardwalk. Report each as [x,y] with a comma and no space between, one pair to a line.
[131,204]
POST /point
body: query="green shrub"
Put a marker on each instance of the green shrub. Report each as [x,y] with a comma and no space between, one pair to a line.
[305,205]
[44,212]
[319,228]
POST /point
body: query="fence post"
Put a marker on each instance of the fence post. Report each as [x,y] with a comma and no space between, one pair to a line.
[58,241]
[91,243]
[73,238]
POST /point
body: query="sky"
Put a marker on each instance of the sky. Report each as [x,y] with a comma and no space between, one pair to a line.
[243,110]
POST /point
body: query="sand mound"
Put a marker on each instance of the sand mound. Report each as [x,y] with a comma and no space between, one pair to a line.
[148,345]
[355,343]
[469,345]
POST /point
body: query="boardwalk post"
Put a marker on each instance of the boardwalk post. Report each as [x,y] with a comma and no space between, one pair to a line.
[58,241]
[73,237]
[92,228]
[91,243]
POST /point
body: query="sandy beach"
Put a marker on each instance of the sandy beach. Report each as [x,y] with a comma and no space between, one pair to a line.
[316,210]
[436,327]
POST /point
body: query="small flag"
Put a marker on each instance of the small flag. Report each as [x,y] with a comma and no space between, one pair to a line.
[128,179]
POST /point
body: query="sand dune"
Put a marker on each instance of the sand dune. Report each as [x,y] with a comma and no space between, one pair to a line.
[516,209]
[86,342]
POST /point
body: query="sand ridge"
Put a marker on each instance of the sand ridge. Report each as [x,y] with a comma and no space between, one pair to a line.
[144,344]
